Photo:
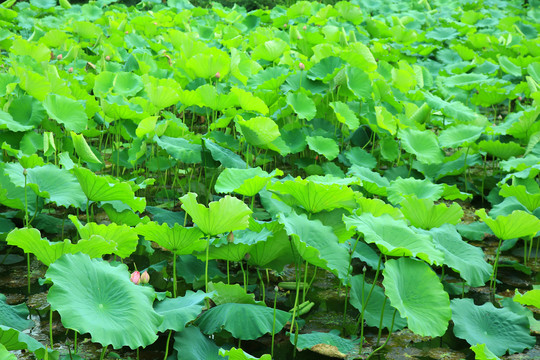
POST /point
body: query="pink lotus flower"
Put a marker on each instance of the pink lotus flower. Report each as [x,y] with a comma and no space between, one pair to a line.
[135,277]
[145,278]
[301,66]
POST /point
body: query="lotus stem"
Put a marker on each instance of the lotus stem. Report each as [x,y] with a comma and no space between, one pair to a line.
[262,286]
[206,265]
[75,341]
[294,315]
[276,289]
[103,353]
[387,338]
[243,275]
[348,287]
[493,282]
[365,301]
[50,326]
[305,289]
[166,346]
[228,277]
[381,321]
[26,225]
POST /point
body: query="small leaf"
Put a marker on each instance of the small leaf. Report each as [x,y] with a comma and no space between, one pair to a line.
[83,150]
[302,105]
[324,146]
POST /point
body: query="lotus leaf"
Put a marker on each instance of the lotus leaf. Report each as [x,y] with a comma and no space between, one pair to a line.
[530,200]
[12,339]
[177,239]
[226,157]
[423,144]
[372,181]
[239,354]
[481,352]
[247,182]
[324,146]
[180,311]
[15,316]
[181,149]
[424,214]
[191,344]
[66,111]
[302,105]
[500,329]
[259,131]
[531,297]
[415,290]
[423,189]
[460,135]
[516,225]
[224,294]
[94,297]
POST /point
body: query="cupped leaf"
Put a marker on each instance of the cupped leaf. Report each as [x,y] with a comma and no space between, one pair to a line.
[317,244]
[465,259]
[123,236]
[227,214]
[247,182]
[302,105]
[516,225]
[501,150]
[230,317]
[500,329]
[423,144]
[99,188]
[48,252]
[423,189]
[259,131]
[415,290]
[312,196]
[531,297]
[178,239]
[269,50]
[424,214]
[393,237]
[180,311]
[376,305]
[324,146]
[530,201]
[66,111]
[95,297]
[372,181]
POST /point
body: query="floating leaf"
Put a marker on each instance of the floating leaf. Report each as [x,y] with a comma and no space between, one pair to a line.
[227,214]
[415,290]
[423,144]
[328,344]
[393,237]
[500,329]
[423,213]
[226,317]
[95,297]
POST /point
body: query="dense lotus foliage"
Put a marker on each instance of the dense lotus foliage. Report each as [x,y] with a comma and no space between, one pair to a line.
[180,177]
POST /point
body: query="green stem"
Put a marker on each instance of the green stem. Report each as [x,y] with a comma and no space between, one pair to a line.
[103,353]
[228,276]
[493,281]
[167,345]
[365,302]
[387,338]
[276,289]
[50,326]
[75,342]
[243,276]
[262,286]
[206,265]
[305,288]
[174,274]
[381,321]
[348,274]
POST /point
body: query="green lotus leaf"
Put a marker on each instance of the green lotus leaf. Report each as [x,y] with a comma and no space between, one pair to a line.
[359,82]
[534,71]
[372,181]
[317,244]
[324,146]
[95,297]
[5,81]
[14,316]
[12,340]
[230,317]
[24,113]
[393,237]
[178,239]
[465,81]
[269,79]
[302,105]
[124,237]
[481,352]
[66,111]
[531,298]
[50,182]
[377,207]
[500,329]
[423,144]
[519,224]
[162,94]
[83,150]
[313,197]
[226,157]
[460,135]
[180,311]
[247,182]
[5,354]
[215,100]
[48,252]
[360,157]
[225,293]
[465,259]
[424,214]
[345,115]
[117,107]
[325,69]
[501,150]
[423,189]
[359,55]
[180,148]
[227,214]
[249,102]
[375,305]
[530,200]
[239,354]
[453,109]
[415,290]
[442,33]
[259,131]
[269,50]
[329,344]
[274,253]
[99,188]
[509,67]
[191,344]
[119,83]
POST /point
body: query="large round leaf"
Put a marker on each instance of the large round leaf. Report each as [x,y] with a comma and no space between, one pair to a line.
[423,213]
[423,144]
[178,239]
[247,182]
[94,297]
[243,321]
[423,189]
[500,329]
[66,111]
[302,105]
[259,131]
[415,290]
[179,311]
[330,344]
[516,225]
[460,135]
[191,344]
[324,146]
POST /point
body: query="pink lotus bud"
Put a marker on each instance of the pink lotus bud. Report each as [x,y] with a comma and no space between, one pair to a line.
[520,98]
[145,278]
[298,37]
[218,75]
[301,66]
[155,23]
[230,237]
[59,57]
[135,277]
[70,70]
[107,58]
[25,172]
[127,32]
[284,25]
[305,27]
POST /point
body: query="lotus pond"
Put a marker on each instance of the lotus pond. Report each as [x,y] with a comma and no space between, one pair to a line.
[357,180]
